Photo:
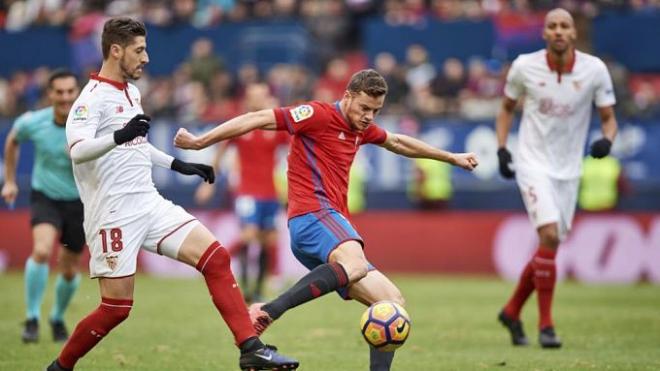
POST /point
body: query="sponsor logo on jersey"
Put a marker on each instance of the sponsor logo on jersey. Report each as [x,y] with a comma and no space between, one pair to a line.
[341,135]
[119,109]
[302,112]
[80,113]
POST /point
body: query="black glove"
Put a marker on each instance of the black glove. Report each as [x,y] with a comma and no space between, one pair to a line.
[137,127]
[504,156]
[601,148]
[187,168]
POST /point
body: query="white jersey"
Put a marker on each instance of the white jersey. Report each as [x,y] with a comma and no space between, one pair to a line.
[557,110]
[103,107]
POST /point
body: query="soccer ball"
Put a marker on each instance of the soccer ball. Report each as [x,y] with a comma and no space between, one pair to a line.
[385,325]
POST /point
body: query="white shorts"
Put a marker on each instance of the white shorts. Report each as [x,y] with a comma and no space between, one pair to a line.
[548,200]
[150,222]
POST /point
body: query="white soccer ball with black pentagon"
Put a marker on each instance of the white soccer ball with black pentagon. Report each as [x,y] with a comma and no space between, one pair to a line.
[385,325]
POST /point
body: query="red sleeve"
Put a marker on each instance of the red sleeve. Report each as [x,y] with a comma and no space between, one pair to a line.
[303,119]
[374,134]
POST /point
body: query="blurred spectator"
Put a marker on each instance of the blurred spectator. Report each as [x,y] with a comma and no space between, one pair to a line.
[203,62]
[386,65]
[430,187]
[601,182]
[450,85]
[333,82]
[327,22]
[418,69]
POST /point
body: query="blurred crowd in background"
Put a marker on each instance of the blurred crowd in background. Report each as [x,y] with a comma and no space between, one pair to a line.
[204,89]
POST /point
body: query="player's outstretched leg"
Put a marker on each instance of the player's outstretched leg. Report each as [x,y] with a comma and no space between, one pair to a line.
[515,328]
[227,297]
[266,357]
[320,281]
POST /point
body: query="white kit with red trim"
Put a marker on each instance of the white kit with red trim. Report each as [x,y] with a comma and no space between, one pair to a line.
[557,109]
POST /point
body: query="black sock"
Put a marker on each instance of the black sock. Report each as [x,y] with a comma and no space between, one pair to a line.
[380,361]
[320,281]
[261,275]
[250,345]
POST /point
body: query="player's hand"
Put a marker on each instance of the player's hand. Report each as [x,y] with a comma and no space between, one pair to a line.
[185,139]
[506,160]
[9,193]
[206,172]
[601,148]
[138,126]
[467,161]
[204,193]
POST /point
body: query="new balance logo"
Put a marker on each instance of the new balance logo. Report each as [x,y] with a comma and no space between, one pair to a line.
[341,135]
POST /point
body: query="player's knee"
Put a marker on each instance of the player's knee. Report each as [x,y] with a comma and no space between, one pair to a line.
[398,298]
[356,270]
[41,253]
[550,239]
[215,260]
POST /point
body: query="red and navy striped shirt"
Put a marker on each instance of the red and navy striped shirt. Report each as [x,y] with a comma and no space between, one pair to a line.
[322,151]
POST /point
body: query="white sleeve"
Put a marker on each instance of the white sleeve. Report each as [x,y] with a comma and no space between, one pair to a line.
[514,87]
[81,126]
[90,149]
[604,92]
[160,158]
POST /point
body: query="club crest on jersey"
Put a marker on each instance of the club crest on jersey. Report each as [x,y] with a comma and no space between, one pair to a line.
[80,113]
[112,262]
[302,112]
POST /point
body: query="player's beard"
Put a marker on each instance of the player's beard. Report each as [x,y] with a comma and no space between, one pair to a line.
[126,71]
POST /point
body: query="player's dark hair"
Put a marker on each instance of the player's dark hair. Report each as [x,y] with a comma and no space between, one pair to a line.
[120,31]
[368,81]
[60,74]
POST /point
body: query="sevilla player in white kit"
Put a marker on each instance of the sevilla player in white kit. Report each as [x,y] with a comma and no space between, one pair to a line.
[559,85]
[112,161]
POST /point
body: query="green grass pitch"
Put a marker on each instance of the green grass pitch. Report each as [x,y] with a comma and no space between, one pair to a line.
[174,326]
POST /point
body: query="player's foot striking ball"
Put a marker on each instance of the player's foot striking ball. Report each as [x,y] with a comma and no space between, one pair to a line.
[385,325]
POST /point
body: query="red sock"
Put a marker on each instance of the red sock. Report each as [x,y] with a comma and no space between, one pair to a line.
[225,293]
[523,291]
[93,328]
[545,276]
[236,247]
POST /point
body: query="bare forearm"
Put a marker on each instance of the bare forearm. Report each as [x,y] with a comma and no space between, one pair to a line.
[12,150]
[415,148]
[609,128]
[236,127]
[503,126]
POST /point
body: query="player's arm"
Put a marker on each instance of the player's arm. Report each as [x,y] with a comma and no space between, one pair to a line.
[239,125]
[12,150]
[411,147]
[162,159]
[504,120]
[609,127]
[87,148]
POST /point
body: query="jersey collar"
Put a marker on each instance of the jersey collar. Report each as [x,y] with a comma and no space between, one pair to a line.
[345,119]
[566,68]
[116,84]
